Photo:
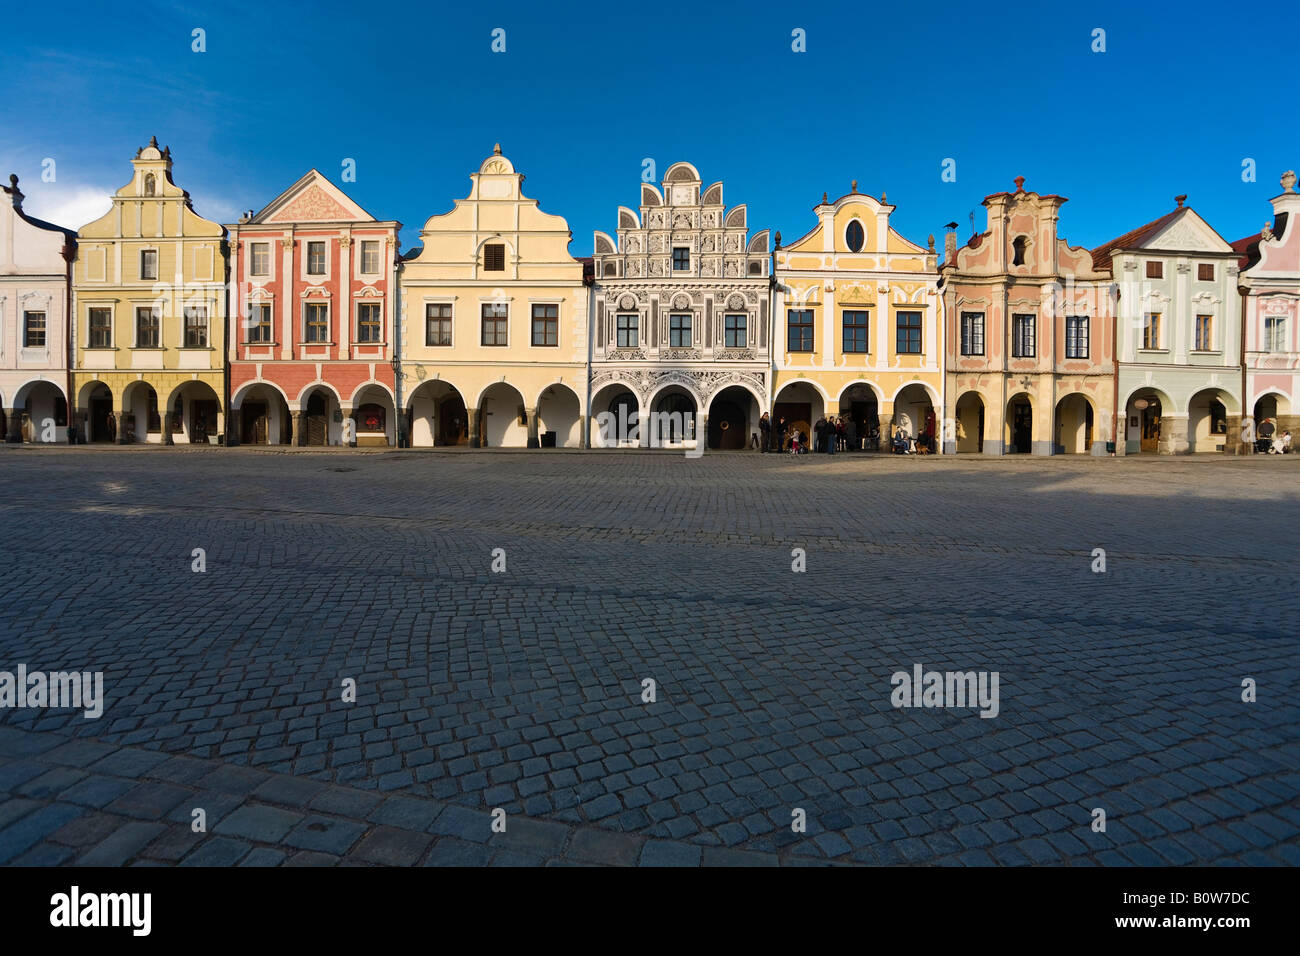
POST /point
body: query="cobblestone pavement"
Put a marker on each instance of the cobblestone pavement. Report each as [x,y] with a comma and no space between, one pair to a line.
[522,690]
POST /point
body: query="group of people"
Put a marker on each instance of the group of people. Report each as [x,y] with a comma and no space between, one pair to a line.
[904,444]
[837,433]
[1270,441]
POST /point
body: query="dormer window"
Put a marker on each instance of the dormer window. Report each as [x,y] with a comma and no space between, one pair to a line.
[854,236]
[1018,251]
[149,184]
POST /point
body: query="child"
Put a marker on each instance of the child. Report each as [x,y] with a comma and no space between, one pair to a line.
[794,443]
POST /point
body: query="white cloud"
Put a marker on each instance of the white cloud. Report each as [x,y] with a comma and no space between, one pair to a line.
[64,204]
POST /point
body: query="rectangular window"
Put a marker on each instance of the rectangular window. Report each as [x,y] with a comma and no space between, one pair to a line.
[1151,330]
[496,323]
[1155,270]
[1204,327]
[34,330]
[317,330]
[855,331]
[1274,333]
[681,258]
[148,263]
[1205,271]
[370,256]
[370,326]
[909,333]
[494,257]
[196,327]
[147,333]
[259,324]
[972,333]
[679,331]
[437,323]
[1076,336]
[546,324]
[627,331]
[735,331]
[315,258]
[259,258]
[101,328]
[799,330]
[1024,336]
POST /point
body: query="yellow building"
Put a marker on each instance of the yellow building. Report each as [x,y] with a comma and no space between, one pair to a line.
[494,323]
[857,324]
[150,314]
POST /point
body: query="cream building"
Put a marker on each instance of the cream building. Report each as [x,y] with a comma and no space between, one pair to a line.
[494,322]
[149,324]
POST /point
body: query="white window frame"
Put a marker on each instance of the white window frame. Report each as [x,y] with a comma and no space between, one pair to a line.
[157,264]
[270,258]
[559,322]
[324,303]
[306,258]
[356,329]
[452,318]
[361,257]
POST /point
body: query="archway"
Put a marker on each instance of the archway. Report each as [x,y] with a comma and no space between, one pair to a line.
[914,412]
[559,417]
[1075,421]
[733,419]
[436,415]
[503,420]
[860,405]
[46,412]
[196,416]
[615,417]
[1207,419]
[673,418]
[372,417]
[1019,431]
[799,404]
[1271,405]
[101,424]
[322,417]
[141,418]
[969,423]
[262,416]
[1148,430]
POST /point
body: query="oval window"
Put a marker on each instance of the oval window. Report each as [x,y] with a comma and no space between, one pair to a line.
[854,236]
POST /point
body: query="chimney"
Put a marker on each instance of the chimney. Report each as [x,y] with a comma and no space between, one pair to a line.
[950,243]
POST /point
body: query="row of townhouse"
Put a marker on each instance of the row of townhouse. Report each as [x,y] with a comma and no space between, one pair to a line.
[303,323]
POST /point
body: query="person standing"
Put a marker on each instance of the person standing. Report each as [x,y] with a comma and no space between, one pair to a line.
[765,432]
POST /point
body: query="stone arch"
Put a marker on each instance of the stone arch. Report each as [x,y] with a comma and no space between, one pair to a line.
[436,414]
[1075,421]
[1154,431]
[256,422]
[1212,414]
[971,421]
[500,406]
[559,410]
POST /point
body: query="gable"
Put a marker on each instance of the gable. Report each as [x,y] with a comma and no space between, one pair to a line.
[312,199]
[1189,232]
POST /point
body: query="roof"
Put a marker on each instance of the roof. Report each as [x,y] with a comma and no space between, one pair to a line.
[1101,256]
[1248,248]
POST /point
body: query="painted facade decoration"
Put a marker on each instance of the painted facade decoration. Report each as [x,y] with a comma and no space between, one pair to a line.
[149,287]
[35,292]
[680,350]
[858,325]
[1270,285]
[1179,335]
[1029,336]
[312,335]
[494,313]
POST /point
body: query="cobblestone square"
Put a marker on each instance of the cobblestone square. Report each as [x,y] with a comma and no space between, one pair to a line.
[522,690]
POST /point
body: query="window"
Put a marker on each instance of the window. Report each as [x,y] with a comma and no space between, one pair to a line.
[626,331]
[679,331]
[147,333]
[1205,272]
[370,256]
[799,330]
[1151,330]
[496,323]
[315,258]
[1274,333]
[854,237]
[1024,329]
[855,331]
[546,324]
[259,258]
[494,257]
[1204,327]
[681,259]
[735,331]
[259,323]
[101,328]
[196,327]
[1018,250]
[148,263]
[972,333]
[34,330]
[909,333]
[370,327]
[1155,270]
[437,323]
[1076,336]
[318,323]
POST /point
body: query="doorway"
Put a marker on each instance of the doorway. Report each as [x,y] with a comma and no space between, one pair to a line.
[254,423]
[1022,427]
[317,422]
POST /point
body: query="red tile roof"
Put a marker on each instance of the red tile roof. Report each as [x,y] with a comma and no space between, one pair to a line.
[1243,247]
[1101,256]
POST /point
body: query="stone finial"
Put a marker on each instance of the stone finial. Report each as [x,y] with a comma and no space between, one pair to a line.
[824,199]
[777,237]
[496,150]
[884,198]
[1288,181]
[853,186]
[931,242]
[1267,232]
[153,141]
[1020,184]
[1180,200]
[15,194]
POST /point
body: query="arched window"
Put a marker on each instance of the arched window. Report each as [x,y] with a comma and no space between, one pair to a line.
[1018,249]
[854,236]
[149,184]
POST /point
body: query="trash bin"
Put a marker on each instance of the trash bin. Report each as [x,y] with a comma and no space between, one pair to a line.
[1110,448]
[548,439]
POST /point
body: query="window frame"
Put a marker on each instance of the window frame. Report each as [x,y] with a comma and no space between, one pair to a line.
[491,250]
[863,327]
[91,328]
[862,238]
[793,327]
[1274,334]
[686,261]
[627,330]
[968,338]
[377,323]
[1201,269]
[912,332]
[252,334]
[1078,337]
[550,325]
[1155,269]
[1151,322]
[144,276]
[449,319]
[499,322]
[735,330]
[1203,343]
[361,257]
[28,316]
[156,314]
[324,258]
[253,249]
[187,314]
[684,323]
[310,309]
[1024,332]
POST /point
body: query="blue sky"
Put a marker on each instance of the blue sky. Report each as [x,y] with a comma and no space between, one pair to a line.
[584,93]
